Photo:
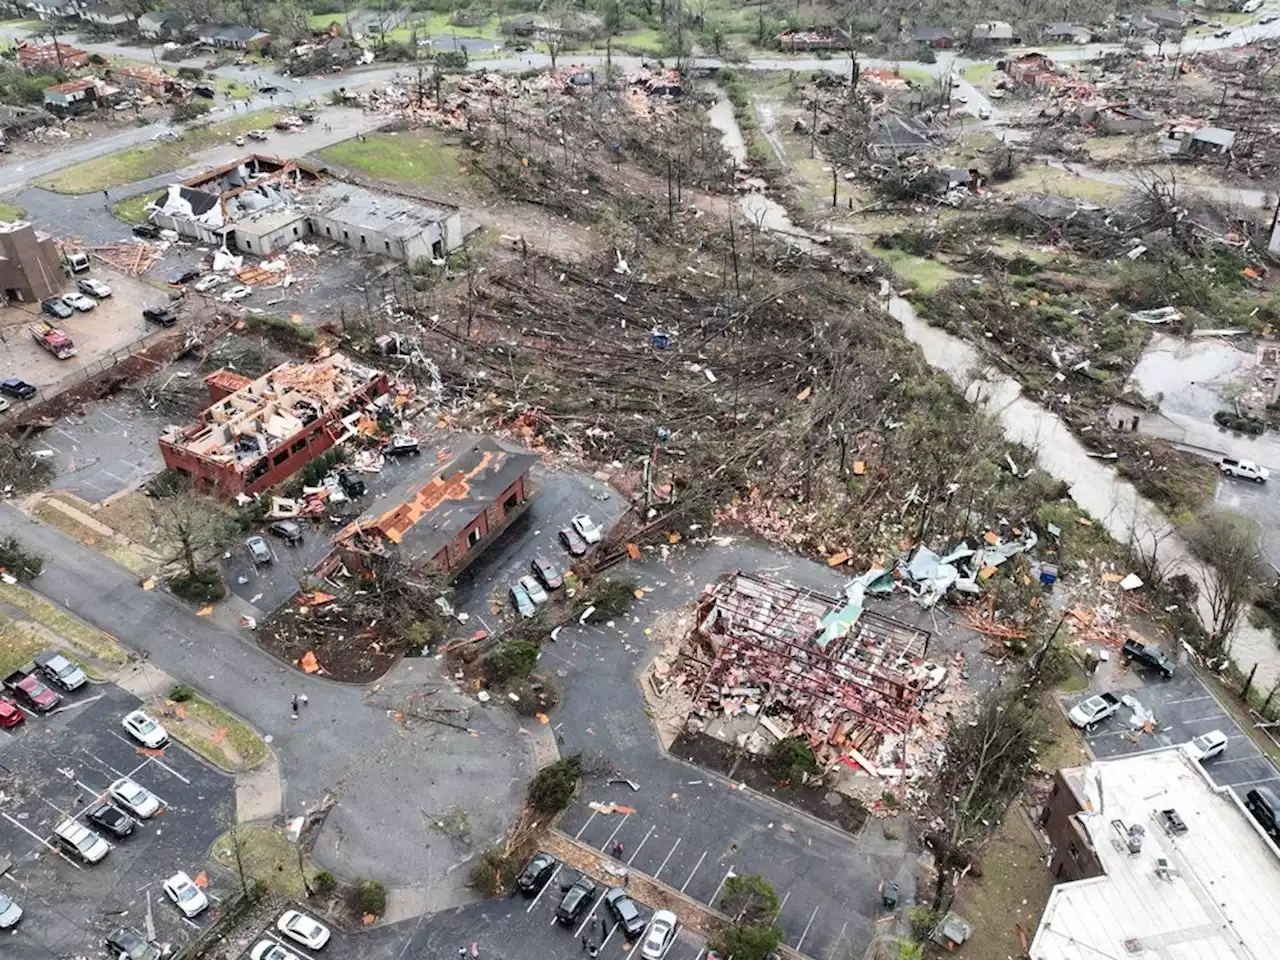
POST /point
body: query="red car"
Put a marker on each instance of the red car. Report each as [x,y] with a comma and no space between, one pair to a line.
[10,714]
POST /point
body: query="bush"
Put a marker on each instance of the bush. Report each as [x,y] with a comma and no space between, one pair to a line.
[371,897]
[324,882]
[18,561]
[182,693]
[791,760]
[552,787]
[205,587]
[514,660]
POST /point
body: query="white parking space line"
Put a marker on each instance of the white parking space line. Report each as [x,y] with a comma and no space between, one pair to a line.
[625,818]
[578,835]
[550,881]
[727,874]
[40,840]
[694,870]
[641,846]
[666,858]
[800,943]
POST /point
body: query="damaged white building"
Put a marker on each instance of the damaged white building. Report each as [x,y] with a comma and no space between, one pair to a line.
[261,204]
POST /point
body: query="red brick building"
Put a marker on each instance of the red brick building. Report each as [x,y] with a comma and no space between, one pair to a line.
[259,432]
[445,522]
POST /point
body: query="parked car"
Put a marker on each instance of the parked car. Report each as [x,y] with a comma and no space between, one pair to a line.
[60,671]
[297,926]
[205,284]
[586,528]
[56,307]
[1207,745]
[236,293]
[352,483]
[188,898]
[10,912]
[1243,469]
[134,797]
[403,446]
[624,911]
[76,838]
[534,589]
[10,713]
[270,950]
[259,552]
[110,818]
[662,933]
[78,301]
[161,315]
[148,231]
[577,899]
[536,873]
[94,287]
[523,603]
[547,572]
[13,387]
[572,542]
[145,730]
[126,944]
[1150,656]
[1094,709]
[287,530]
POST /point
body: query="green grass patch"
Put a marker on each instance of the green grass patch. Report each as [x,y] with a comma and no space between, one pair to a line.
[88,640]
[217,736]
[133,210]
[420,158]
[266,856]
[151,159]
[10,211]
[923,274]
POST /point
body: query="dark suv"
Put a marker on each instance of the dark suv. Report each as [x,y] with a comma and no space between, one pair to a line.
[1148,656]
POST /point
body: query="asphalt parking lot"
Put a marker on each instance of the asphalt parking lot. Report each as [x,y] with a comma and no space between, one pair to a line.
[1184,709]
[53,766]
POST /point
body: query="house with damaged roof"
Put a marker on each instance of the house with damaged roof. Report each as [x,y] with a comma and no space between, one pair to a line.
[443,517]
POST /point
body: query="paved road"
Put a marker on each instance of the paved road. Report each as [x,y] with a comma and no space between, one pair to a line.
[385,775]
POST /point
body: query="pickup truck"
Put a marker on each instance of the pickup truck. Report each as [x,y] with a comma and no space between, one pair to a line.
[1094,710]
[60,671]
[26,686]
[1148,656]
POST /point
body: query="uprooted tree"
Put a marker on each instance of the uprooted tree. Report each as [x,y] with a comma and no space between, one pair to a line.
[1230,547]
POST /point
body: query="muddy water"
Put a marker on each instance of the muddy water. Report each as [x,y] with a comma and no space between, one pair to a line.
[1097,489]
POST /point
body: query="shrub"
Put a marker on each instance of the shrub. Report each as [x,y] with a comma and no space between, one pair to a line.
[552,787]
[513,660]
[182,693]
[324,882]
[371,897]
[18,561]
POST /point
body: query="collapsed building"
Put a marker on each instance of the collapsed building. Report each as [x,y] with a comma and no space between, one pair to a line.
[260,204]
[259,432]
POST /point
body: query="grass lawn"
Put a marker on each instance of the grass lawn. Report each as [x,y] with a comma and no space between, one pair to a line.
[422,158]
[133,210]
[922,274]
[9,211]
[151,159]
[216,735]
[265,854]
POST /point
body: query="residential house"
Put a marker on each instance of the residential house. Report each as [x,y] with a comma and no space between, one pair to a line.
[106,14]
[30,266]
[257,433]
[939,38]
[71,99]
[232,37]
[1064,32]
[45,57]
[442,518]
[160,24]
[993,33]
[817,38]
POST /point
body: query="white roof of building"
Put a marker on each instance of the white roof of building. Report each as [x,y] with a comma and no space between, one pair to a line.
[1220,900]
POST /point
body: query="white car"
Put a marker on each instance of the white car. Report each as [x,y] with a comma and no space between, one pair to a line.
[238,292]
[1244,469]
[532,587]
[205,284]
[134,797]
[189,898]
[586,528]
[1207,745]
[79,301]
[145,730]
[298,926]
[661,935]
[94,287]
[270,950]
[10,912]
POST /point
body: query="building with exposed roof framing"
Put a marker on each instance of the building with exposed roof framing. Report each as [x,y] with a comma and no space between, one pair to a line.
[258,432]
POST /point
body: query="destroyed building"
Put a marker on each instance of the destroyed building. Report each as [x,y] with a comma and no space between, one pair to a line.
[444,517]
[258,432]
[804,663]
[30,265]
[261,204]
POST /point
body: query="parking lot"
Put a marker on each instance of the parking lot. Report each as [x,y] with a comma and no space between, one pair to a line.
[53,767]
[1184,709]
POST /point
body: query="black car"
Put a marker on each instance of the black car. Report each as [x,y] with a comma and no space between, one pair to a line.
[286,530]
[161,315]
[13,387]
[186,276]
[352,483]
[56,308]
[110,818]
[536,873]
[576,901]
[126,944]
[148,231]
[625,911]
[547,572]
